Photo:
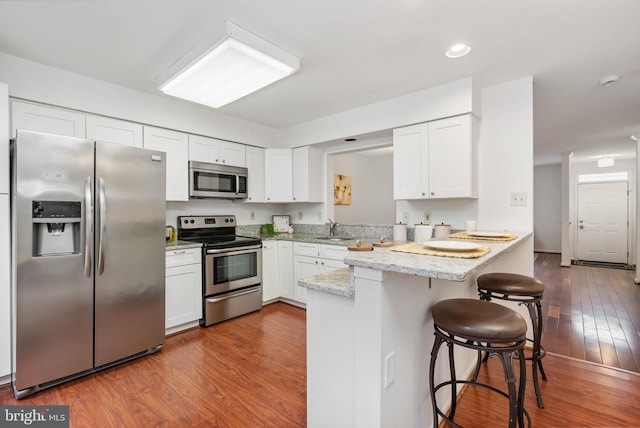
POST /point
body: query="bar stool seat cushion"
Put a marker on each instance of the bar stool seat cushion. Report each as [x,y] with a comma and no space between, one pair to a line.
[479,320]
[510,284]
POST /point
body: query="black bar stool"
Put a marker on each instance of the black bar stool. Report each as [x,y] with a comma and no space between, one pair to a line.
[527,291]
[484,327]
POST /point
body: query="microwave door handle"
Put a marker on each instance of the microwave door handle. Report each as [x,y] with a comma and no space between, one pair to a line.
[237,183]
[88,227]
[103,225]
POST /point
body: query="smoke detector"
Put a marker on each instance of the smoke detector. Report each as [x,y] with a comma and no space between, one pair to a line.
[609,80]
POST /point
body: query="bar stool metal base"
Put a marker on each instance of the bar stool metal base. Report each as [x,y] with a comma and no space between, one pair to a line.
[512,287]
[469,333]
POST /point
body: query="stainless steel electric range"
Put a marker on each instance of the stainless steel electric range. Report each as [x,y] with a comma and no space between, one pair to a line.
[232,267]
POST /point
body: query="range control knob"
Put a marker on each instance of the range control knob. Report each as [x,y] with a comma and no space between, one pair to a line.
[186,222]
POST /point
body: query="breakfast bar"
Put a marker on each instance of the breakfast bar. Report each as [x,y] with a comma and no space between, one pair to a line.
[370,331]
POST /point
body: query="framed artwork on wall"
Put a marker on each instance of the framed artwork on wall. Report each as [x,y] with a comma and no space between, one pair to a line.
[341,189]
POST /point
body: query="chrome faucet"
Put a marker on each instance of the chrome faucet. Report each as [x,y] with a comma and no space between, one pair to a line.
[332,227]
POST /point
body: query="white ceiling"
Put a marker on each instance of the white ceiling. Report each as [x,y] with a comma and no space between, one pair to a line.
[357,52]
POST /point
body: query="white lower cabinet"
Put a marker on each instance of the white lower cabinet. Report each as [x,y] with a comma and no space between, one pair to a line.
[285,268]
[314,259]
[183,295]
[270,283]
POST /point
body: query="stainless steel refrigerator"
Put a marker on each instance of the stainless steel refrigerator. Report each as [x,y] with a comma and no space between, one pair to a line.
[88,256]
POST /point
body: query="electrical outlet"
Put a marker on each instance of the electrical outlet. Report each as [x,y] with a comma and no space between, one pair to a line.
[253,215]
[518,199]
[405,217]
[319,216]
[299,215]
[427,217]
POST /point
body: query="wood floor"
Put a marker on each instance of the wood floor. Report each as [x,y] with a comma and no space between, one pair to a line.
[251,371]
[247,372]
[590,313]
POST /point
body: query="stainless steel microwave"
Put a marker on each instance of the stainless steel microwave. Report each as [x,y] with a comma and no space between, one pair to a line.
[208,180]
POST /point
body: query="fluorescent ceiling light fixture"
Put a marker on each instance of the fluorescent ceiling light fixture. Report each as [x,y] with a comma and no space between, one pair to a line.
[603,177]
[605,161]
[458,50]
[238,64]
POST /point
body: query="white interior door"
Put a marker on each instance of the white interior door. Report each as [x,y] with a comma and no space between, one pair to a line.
[602,222]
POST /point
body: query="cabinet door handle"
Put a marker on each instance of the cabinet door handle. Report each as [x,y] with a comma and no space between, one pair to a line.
[180,252]
[432,194]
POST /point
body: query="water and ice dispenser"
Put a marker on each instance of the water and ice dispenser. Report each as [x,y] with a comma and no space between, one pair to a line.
[56,228]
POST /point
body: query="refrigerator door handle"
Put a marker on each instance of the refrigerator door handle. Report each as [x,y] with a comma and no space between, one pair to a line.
[88,224]
[103,224]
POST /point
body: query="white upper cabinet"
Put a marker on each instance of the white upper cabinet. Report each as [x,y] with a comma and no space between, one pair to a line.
[294,175]
[452,158]
[255,178]
[109,130]
[308,167]
[410,157]
[436,159]
[176,146]
[278,164]
[46,119]
[212,150]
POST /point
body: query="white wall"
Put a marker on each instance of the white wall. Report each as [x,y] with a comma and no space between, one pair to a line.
[372,189]
[37,82]
[547,208]
[446,100]
[506,155]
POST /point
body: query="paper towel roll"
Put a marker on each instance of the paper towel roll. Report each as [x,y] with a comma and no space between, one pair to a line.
[422,233]
[399,232]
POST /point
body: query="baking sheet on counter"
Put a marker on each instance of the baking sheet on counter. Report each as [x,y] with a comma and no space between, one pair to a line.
[415,248]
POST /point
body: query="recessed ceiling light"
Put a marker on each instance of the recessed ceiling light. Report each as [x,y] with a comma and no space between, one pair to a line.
[609,80]
[458,50]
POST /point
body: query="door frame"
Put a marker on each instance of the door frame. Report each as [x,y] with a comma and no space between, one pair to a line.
[628,216]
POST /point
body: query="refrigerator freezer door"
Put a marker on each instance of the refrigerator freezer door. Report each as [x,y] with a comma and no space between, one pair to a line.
[130,251]
[53,320]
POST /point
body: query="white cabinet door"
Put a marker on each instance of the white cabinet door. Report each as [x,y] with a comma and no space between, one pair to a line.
[285,268]
[304,267]
[308,173]
[46,119]
[183,289]
[270,271]
[176,146]
[212,150]
[410,160]
[5,305]
[255,178]
[233,154]
[204,149]
[450,158]
[114,131]
[278,175]
[183,298]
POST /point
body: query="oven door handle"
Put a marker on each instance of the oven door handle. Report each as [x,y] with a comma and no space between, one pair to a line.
[231,295]
[234,249]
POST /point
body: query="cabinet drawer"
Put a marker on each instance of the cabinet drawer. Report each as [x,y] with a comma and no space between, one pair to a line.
[183,257]
[306,249]
[333,252]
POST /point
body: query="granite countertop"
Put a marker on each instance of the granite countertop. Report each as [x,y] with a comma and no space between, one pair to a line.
[317,239]
[382,258]
[335,282]
[181,245]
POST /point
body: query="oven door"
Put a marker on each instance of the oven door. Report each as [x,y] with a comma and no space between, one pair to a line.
[232,268]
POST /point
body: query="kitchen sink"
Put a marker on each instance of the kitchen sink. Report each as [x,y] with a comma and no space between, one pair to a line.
[336,238]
